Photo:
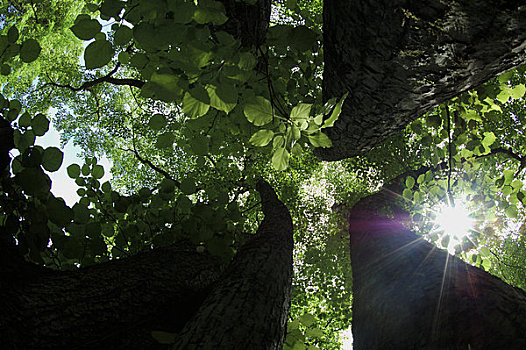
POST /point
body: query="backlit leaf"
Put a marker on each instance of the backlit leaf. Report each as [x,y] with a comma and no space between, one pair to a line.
[52,158]
[98,54]
[280,159]
[29,50]
[86,28]
[262,137]
[258,111]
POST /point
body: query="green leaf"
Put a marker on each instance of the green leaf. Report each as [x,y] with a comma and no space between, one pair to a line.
[98,54]
[280,159]
[164,337]
[12,34]
[205,15]
[489,138]
[157,122]
[81,214]
[247,61]
[86,28]
[40,124]
[511,212]
[188,186]
[97,172]
[335,113]
[223,97]
[484,251]
[73,171]
[58,212]
[408,194]
[409,182]
[262,137]
[301,111]
[302,38]
[33,181]
[199,145]
[307,320]
[258,111]
[314,332]
[165,140]
[199,93]
[29,50]
[122,35]
[52,159]
[193,107]
[518,91]
[319,139]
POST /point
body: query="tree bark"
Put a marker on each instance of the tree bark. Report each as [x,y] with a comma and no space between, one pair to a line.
[399,59]
[113,305]
[407,294]
[248,307]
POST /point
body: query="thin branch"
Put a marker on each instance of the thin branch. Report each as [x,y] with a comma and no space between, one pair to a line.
[153,166]
[108,78]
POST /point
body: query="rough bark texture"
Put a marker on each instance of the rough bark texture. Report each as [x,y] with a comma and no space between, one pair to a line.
[6,144]
[113,305]
[248,23]
[400,58]
[248,308]
[407,294]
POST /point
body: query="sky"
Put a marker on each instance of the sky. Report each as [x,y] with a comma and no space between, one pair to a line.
[62,185]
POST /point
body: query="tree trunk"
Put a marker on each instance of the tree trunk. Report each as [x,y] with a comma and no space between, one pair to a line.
[400,58]
[407,294]
[248,308]
[114,305]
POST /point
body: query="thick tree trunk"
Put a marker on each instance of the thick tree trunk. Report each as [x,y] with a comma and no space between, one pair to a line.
[400,58]
[248,308]
[114,305]
[407,294]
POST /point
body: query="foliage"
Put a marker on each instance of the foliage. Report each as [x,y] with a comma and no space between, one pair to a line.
[191,118]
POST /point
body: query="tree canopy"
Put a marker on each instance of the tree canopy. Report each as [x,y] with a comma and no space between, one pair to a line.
[193,107]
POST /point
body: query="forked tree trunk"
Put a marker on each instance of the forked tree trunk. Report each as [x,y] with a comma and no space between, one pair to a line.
[248,307]
[407,294]
[114,305]
[400,58]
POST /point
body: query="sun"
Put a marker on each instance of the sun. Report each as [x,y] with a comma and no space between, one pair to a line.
[455,222]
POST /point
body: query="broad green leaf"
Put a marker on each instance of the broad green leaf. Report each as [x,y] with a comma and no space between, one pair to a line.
[81,213]
[280,159]
[157,122]
[122,35]
[73,171]
[518,91]
[199,93]
[512,212]
[40,124]
[165,140]
[314,332]
[5,69]
[223,97]
[24,120]
[199,145]
[86,28]
[23,140]
[58,212]
[489,138]
[205,15]
[97,172]
[262,137]
[407,194]
[33,181]
[106,187]
[278,142]
[12,34]
[188,186]
[98,54]
[307,320]
[484,251]
[193,107]
[335,113]
[52,159]
[297,150]
[111,8]
[29,50]
[258,111]
[247,61]
[409,182]
[319,139]
[508,176]
[301,111]
[184,12]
